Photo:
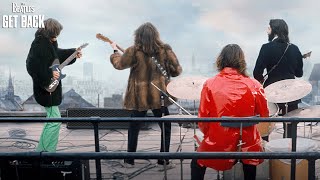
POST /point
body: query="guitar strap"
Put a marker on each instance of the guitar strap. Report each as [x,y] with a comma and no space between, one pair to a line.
[264,77]
[161,69]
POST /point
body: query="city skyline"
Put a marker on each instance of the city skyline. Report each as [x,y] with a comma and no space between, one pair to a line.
[195,29]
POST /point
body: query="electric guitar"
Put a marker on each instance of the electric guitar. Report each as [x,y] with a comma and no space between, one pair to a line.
[105,39]
[56,66]
[159,66]
[304,56]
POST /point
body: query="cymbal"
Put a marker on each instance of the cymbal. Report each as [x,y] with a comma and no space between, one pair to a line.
[186,87]
[287,90]
[179,116]
[305,112]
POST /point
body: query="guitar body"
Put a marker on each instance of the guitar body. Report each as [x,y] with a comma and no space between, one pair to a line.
[56,66]
[55,82]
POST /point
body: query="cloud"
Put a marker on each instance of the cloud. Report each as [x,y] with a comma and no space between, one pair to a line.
[191,27]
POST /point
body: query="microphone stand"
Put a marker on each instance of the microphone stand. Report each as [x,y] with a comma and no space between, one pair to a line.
[171,100]
[180,124]
[163,135]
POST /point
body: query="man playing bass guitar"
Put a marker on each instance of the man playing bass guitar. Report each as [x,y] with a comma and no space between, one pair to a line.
[282,59]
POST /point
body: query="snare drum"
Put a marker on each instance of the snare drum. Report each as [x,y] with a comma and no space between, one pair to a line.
[265,128]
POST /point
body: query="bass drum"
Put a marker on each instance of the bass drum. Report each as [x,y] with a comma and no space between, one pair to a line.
[265,128]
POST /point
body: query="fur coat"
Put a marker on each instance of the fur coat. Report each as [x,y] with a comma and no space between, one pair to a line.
[140,94]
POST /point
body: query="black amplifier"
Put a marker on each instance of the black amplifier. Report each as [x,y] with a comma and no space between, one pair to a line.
[45,170]
[100,112]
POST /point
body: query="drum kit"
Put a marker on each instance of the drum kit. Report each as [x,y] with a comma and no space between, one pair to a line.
[283,91]
[188,88]
[286,91]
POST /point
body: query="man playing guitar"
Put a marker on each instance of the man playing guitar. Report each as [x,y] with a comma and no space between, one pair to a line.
[43,52]
[282,60]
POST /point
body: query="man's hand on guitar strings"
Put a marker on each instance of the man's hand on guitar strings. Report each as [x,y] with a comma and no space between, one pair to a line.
[114,46]
[79,54]
[55,74]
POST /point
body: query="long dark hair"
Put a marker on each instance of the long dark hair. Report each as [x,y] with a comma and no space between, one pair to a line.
[280,28]
[232,56]
[147,39]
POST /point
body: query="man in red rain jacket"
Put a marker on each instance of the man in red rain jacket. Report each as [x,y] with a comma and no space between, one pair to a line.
[231,93]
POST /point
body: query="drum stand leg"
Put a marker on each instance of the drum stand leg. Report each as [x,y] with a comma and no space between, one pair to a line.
[304,129]
[286,123]
[239,149]
[311,131]
[163,131]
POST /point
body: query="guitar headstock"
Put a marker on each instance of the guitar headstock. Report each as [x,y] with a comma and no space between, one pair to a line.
[306,55]
[83,46]
[103,38]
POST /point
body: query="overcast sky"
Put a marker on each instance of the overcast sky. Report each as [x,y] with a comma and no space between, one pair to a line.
[199,27]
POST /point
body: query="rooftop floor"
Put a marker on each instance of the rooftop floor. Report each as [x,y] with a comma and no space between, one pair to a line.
[82,140]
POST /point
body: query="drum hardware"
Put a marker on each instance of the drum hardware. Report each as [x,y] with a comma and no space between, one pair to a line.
[187,88]
[265,128]
[239,149]
[305,112]
[163,130]
[285,91]
[238,164]
[280,168]
[180,134]
[170,99]
[286,123]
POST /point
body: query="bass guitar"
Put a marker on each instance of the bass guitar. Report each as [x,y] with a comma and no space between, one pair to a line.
[304,56]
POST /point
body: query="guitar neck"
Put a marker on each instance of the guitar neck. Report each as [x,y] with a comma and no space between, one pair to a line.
[68,60]
[122,50]
[107,40]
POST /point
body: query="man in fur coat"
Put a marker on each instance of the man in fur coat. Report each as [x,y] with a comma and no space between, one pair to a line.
[140,94]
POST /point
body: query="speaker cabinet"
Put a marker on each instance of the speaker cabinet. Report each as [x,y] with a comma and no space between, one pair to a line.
[99,112]
[48,170]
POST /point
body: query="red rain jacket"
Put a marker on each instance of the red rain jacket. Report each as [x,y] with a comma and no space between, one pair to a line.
[233,95]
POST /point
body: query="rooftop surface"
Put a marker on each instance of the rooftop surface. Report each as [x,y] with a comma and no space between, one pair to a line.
[82,140]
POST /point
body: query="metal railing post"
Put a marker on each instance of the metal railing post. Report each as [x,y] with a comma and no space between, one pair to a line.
[311,169]
[95,123]
[293,148]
